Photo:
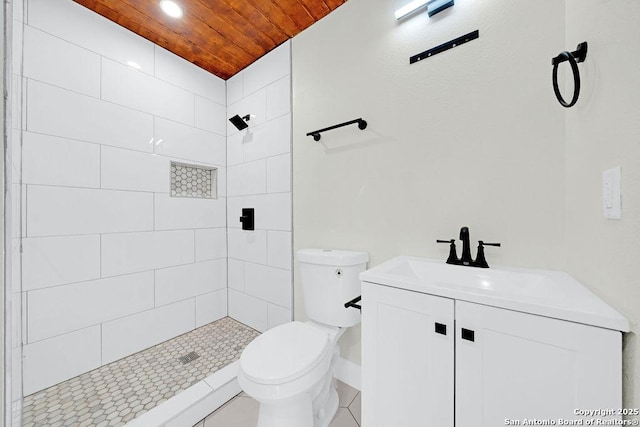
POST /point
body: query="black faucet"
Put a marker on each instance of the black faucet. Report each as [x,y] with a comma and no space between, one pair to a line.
[466,259]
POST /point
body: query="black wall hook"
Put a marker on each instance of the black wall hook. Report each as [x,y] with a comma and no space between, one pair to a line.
[574,58]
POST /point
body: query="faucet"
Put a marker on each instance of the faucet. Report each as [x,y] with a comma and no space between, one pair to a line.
[466,259]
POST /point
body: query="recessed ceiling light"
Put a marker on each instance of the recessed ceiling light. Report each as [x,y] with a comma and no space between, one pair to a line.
[171,8]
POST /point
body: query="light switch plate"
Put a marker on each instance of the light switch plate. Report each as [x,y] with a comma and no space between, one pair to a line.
[611,193]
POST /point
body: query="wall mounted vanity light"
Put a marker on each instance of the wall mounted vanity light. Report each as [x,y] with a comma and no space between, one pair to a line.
[240,122]
[433,7]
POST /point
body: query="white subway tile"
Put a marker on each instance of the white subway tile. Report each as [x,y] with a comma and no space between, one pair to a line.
[279,173]
[279,249]
[248,245]
[50,261]
[182,73]
[54,211]
[273,211]
[131,252]
[255,104]
[16,373]
[251,311]
[62,309]
[57,359]
[128,335]
[126,86]
[60,63]
[211,307]
[235,149]
[254,146]
[236,274]
[186,142]
[188,281]
[247,178]
[268,69]
[275,135]
[81,26]
[210,116]
[278,316]
[17,48]
[234,211]
[132,170]
[211,243]
[67,114]
[234,88]
[268,283]
[221,187]
[18,107]
[279,98]
[51,160]
[179,212]
[18,10]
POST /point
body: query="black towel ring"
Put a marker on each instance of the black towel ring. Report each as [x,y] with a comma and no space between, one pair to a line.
[573,57]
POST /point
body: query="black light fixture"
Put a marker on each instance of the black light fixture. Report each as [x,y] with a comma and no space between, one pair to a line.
[240,122]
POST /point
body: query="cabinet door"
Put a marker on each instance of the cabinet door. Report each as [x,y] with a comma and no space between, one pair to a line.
[526,366]
[407,367]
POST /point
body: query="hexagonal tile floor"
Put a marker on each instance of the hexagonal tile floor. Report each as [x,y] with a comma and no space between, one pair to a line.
[120,391]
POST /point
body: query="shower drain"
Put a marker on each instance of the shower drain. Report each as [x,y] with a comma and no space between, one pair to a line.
[188,357]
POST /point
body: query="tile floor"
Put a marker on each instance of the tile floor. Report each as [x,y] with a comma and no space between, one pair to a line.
[242,411]
[116,393]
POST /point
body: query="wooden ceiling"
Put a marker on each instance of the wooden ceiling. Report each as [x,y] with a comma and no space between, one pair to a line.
[221,36]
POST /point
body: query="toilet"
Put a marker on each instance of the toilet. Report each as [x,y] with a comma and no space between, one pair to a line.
[289,369]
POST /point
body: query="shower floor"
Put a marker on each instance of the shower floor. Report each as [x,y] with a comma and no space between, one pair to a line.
[118,392]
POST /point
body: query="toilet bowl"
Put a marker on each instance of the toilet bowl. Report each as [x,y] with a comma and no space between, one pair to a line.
[289,369]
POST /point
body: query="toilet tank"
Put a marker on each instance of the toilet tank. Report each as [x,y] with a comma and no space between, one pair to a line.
[330,279]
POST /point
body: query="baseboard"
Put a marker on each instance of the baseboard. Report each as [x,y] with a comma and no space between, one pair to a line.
[348,372]
[193,404]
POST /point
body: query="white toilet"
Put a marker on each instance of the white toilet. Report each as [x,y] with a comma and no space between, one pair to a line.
[289,368]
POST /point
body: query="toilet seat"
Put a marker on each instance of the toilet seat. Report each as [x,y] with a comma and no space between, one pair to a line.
[285,353]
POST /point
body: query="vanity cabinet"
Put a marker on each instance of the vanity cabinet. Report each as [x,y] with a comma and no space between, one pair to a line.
[435,361]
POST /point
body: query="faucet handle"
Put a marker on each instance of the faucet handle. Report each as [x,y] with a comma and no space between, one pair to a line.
[481,243]
[481,261]
[446,241]
[453,256]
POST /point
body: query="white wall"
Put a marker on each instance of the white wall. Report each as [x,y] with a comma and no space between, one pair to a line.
[602,132]
[472,136]
[259,177]
[111,263]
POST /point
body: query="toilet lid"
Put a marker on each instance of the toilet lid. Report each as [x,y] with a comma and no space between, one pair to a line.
[284,353]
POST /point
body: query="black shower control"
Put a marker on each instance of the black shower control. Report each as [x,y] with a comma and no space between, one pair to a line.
[247,219]
[468,334]
[441,329]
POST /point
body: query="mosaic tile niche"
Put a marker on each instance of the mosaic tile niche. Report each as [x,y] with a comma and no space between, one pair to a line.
[193,181]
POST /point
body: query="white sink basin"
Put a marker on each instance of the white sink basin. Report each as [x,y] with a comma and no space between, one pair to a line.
[547,293]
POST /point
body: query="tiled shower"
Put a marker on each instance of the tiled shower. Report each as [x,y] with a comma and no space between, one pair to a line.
[106,261]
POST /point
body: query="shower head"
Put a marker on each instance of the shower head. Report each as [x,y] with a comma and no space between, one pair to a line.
[240,122]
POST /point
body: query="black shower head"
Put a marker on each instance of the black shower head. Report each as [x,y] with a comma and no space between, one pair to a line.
[240,122]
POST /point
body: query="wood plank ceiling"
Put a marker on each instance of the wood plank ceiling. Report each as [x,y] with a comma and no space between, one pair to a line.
[221,36]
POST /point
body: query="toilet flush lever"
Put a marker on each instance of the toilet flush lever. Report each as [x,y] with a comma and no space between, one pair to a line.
[353,304]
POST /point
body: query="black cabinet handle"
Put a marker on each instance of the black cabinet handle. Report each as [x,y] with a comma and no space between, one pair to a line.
[441,329]
[468,334]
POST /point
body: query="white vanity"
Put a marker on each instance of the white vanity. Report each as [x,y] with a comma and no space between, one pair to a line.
[446,345]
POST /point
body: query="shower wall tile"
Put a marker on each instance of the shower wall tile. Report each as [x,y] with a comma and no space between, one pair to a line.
[251,311]
[131,334]
[188,281]
[279,174]
[59,112]
[210,116]
[234,210]
[132,252]
[127,86]
[278,315]
[85,28]
[211,307]
[235,148]
[279,98]
[184,74]
[185,142]
[61,309]
[63,211]
[275,210]
[51,261]
[57,359]
[177,213]
[52,60]
[234,88]
[50,160]
[254,104]
[211,243]
[132,170]
[247,178]
[235,277]
[279,251]
[267,69]
[268,283]
[248,245]
[269,139]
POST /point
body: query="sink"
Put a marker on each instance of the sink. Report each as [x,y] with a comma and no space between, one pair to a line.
[548,293]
